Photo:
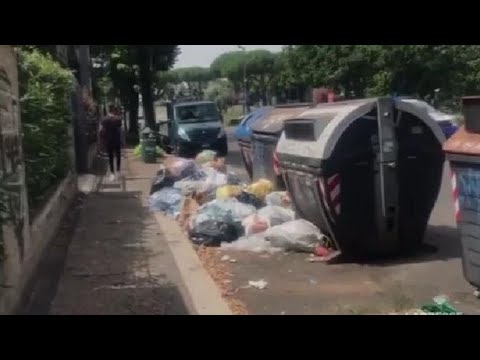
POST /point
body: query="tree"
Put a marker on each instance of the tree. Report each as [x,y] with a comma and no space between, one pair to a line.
[119,77]
[373,70]
[196,78]
[260,67]
[221,93]
[133,68]
[164,82]
[230,66]
[151,59]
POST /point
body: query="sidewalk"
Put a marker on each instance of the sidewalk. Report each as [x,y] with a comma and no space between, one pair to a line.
[117,261]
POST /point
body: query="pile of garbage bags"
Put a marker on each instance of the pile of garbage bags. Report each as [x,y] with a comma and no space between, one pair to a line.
[216,209]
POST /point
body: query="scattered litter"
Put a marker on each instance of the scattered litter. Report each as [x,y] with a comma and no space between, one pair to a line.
[225,258]
[476,293]
[315,259]
[233,260]
[290,271]
[440,306]
[260,284]
[313,282]
[321,251]
[283,313]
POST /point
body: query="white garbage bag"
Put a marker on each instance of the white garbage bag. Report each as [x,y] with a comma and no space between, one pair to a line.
[255,243]
[276,215]
[297,235]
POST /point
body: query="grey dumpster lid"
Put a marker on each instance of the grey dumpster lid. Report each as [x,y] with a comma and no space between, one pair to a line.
[273,121]
[336,117]
[463,142]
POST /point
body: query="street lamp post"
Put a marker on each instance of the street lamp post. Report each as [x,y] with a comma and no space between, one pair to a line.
[244,80]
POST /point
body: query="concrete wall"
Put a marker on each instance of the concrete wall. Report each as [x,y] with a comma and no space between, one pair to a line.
[23,244]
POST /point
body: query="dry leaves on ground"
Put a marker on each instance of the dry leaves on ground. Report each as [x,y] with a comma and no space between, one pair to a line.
[218,270]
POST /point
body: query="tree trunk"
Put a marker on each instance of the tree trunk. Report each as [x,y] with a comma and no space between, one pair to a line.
[133,114]
[144,62]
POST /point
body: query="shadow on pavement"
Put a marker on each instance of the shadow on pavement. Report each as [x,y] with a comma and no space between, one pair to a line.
[99,262]
[440,243]
[107,269]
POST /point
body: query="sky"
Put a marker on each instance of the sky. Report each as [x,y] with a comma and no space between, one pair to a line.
[203,55]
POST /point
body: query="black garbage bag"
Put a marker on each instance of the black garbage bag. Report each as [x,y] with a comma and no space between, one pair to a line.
[233,179]
[250,199]
[162,180]
[213,233]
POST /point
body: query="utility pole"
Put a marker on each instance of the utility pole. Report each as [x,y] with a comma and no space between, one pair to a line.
[241,47]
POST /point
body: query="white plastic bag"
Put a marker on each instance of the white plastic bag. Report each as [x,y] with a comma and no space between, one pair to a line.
[254,243]
[180,167]
[298,235]
[276,215]
[278,198]
[205,180]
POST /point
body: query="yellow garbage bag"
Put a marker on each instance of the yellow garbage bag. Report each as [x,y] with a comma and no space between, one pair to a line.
[228,191]
[261,188]
[206,156]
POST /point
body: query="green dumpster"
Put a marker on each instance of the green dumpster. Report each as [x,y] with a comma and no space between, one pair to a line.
[149,150]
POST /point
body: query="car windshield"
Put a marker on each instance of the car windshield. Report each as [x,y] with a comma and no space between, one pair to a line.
[197,113]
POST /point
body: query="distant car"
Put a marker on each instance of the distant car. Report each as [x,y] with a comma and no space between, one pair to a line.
[243,131]
[447,122]
[448,127]
[192,127]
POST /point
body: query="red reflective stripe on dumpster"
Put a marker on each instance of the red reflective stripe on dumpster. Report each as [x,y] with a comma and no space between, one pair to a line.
[330,190]
[334,192]
[455,196]
[276,164]
[324,197]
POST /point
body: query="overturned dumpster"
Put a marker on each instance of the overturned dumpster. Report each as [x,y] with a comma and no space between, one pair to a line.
[463,153]
[367,172]
[243,133]
[265,134]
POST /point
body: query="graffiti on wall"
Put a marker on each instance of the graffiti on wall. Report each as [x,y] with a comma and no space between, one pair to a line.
[11,177]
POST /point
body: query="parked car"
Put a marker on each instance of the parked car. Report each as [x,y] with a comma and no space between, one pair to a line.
[192,127]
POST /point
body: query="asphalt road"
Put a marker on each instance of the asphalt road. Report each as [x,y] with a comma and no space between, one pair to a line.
[296,286]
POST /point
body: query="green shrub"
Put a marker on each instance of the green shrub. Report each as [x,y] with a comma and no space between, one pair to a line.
[45,91]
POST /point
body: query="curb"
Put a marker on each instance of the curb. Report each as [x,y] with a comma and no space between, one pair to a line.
[206,297]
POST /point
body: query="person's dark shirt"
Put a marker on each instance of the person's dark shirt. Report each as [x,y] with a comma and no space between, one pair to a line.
[112,133]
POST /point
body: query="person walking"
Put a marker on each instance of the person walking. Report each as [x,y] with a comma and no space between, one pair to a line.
[111,134]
